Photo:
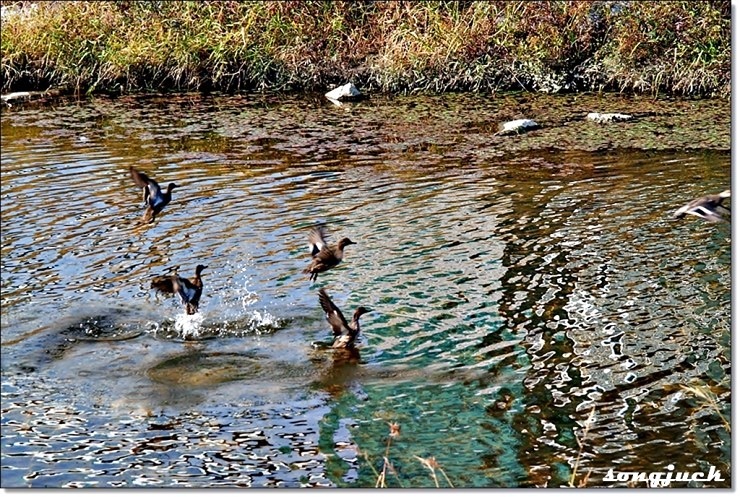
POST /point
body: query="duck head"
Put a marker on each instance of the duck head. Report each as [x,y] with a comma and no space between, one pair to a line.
[345,241]
[361,310]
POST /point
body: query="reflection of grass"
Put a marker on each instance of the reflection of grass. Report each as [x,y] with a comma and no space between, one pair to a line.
[710,399]
[581,440]
[380,478]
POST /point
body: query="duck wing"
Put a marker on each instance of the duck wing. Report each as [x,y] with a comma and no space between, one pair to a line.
[155,197]
[317,239]
[708,207]
[333,315]
[141,179]
[184,289]
[716,215]
[163,284]
[151,191]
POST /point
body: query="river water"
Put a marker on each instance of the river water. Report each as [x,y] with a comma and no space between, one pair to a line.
[536,311]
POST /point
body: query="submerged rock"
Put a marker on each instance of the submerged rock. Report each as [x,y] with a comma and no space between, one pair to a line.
[342,93]
[608,118]
[517,126]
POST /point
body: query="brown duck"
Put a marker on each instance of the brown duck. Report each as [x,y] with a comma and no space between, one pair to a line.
[344,333]
[708,207]
[189,290]
[324,256]
[154,198]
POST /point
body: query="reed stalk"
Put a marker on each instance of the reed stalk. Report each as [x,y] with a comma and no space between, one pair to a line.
[680,47]
[581,440]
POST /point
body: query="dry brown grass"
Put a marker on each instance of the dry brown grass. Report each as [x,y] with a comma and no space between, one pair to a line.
[681,47]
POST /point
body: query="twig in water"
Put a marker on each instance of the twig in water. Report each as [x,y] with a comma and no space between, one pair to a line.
[580,441]
[395,431]
[399,315]
[432,464]
[703,392]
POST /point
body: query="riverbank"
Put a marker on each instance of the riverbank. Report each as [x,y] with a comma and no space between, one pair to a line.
[679,48]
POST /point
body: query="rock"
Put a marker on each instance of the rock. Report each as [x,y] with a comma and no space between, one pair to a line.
[9,98]
[26,96]
[342,93]
[608,118]
[517,126]
[18,96]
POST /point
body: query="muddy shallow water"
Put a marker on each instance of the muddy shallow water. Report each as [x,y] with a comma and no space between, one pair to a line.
[518,285]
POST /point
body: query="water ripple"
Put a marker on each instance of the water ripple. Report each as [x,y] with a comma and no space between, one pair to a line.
[517,291]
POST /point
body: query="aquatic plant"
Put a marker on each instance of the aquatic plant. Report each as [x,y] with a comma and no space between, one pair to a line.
[581,440]
[710,399]
[380,477]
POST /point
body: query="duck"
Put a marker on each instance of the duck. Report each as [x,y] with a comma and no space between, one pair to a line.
[154,198]
[189,290]
[324,256]
[708,207]
[345,333]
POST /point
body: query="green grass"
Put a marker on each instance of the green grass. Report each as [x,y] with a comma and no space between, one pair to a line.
[678,47]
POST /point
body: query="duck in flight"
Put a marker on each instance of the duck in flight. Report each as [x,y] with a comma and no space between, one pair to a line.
[345,333]
[154,198]
[189,290]
[708,207]
[324,256]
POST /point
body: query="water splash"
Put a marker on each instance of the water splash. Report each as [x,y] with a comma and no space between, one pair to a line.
[189,326]
[238,299]
[263,322]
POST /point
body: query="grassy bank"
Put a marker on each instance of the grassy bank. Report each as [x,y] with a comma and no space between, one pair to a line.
[678,47]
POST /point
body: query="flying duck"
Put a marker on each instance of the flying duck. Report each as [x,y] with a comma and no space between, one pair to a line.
[324,256]
[154,198]
[189,290]
[708,207]
[344,333]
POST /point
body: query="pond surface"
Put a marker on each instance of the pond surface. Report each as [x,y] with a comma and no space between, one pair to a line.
[531,294]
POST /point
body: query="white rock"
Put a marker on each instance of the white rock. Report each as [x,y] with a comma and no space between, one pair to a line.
[17,95]
[517,126]
[607,118]
[25,96]
[335,102]
[346,92]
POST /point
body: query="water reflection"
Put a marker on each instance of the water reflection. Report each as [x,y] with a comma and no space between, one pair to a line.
[517,287]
